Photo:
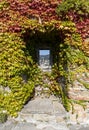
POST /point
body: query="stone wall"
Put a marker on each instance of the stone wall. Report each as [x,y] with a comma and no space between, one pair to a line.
[79,89]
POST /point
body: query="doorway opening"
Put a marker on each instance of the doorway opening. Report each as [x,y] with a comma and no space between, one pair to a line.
[44,59]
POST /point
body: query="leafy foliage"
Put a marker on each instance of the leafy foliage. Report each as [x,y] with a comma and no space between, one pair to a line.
[76,11]
[19,19]
[80,7]
[3,117]
[15,14]
[17,72]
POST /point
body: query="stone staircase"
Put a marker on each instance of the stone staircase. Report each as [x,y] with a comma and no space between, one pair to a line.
[45,112]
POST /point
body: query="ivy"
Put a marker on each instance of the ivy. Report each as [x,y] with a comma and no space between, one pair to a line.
[21,23]
[81,7]
[76,11]
[16,73]
[3,5]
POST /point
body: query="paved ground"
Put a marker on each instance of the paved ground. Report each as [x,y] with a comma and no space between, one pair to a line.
[43,114]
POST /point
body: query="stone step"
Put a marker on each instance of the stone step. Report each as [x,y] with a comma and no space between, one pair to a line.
[14,125]
[44,105]
[29,126]
[44,121]
[42,91]
[39,118]
[45,112]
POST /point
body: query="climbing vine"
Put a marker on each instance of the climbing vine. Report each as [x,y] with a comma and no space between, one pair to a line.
[17,73]
[76,11]
[21,24]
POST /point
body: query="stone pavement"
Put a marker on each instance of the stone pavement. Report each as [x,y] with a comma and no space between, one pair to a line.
[43,113]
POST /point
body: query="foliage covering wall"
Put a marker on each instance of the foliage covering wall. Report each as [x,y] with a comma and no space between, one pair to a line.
[20,20]
[17,73]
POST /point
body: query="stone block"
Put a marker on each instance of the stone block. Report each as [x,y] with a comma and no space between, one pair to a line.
[39,105]
[24,126]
